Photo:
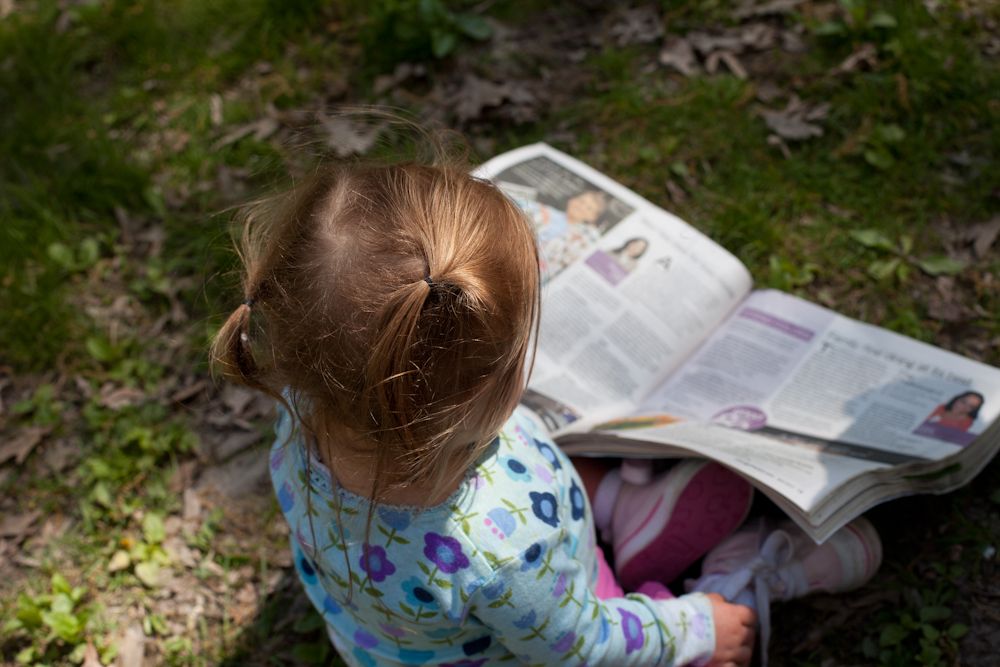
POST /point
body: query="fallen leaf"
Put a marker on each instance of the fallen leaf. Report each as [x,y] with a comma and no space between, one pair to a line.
[705,43]
[186,393]
[678,54]
[22,443]
[638,25]
[349,137]
[215,109]
[117,398]
[237,398]
[402,72]
[261,129]
[120,560]
[983,235]
[777,142]
[18,526]
[730,61]
[476,94]
[759,36]
[192,505]
[148,573]
[866,54]
[796,122]
[90,657]
[131,648]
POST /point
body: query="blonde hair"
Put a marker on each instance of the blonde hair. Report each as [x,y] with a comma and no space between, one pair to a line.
[397,304]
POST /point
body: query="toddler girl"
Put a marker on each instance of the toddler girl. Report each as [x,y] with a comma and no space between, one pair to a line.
[391,311]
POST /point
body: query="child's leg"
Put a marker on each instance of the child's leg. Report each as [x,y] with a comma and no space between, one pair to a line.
[659,529]
[607,586]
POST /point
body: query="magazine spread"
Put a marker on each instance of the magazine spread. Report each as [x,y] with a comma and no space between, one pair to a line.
[652,343]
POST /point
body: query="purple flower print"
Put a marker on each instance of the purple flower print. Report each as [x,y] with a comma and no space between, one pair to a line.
[375,563]
[699,626]
[544,507]
[564,643]
[632,629]
[364,640]
[560,586]
[445,552]
[392,630]
[277,456]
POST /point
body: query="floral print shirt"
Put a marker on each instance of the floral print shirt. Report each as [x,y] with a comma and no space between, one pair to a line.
[503,571]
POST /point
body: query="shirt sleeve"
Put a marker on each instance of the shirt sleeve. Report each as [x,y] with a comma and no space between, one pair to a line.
[542,608]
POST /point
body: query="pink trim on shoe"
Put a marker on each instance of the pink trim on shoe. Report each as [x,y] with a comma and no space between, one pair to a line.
[661,528]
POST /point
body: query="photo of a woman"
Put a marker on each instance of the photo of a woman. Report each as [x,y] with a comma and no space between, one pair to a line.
[958,413]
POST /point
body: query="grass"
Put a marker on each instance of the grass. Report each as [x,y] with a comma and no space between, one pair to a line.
[118,128]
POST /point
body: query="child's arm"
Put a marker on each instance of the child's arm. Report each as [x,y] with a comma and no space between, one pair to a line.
[545,612]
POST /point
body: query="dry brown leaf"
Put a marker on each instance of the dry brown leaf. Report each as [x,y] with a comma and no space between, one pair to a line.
[188,392]
[116,398]
[261,129]
[132,648]
[678,54]
[637,25]
[476,94]
[22,443]
[796,122]
[349,137]
[731,62]
[866,54]
[759,36]
[983,236]
[704,43]
[237,398]
[18,526]
[90,657]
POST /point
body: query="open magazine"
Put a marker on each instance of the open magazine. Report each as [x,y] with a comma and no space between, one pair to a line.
[653,343]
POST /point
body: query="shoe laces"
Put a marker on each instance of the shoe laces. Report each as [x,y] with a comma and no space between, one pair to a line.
[770,572]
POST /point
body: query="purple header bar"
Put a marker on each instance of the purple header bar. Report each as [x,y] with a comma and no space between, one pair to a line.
[784,326]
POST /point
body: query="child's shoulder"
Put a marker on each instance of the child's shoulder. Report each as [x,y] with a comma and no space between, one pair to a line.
[520,495]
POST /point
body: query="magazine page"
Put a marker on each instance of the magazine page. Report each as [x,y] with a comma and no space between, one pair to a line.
[796,372]
[630,290]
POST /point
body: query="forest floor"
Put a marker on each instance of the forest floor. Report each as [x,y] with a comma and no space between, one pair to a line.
[845,151]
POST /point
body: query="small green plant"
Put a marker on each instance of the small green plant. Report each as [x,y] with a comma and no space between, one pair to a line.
[42,408]
[400,30]
[896,258]
[922,634]
[129,447]
[882,144]
[786,275]
[146,557]
[56,625]
[858,21]
[71,260]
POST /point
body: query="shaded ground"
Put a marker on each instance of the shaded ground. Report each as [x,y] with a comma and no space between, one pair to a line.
[137,521]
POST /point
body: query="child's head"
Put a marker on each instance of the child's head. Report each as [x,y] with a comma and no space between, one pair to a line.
[397,304]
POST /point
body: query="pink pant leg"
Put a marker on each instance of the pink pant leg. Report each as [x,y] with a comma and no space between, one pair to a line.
[607,586]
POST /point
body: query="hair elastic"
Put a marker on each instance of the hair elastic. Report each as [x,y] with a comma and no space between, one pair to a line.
[427,279]
[249,302]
